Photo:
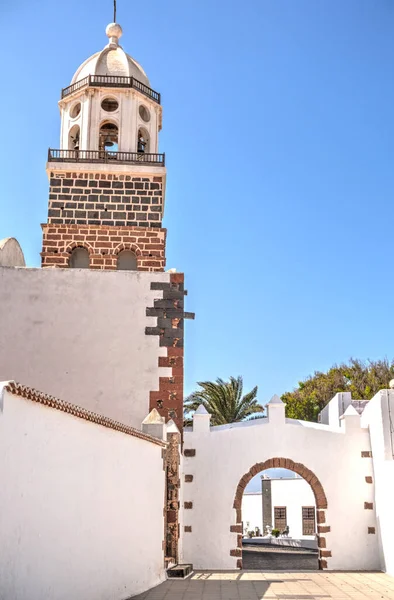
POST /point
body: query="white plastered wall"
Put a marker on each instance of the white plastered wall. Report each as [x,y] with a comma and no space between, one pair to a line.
[252,511]
[82,507]
[378,416]
[292,493]
[79,335]
[224,454]
[126,116]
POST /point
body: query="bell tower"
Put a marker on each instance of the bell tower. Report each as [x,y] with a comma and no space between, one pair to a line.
[107,178]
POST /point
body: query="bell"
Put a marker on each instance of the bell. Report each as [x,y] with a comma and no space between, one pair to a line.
[108,142]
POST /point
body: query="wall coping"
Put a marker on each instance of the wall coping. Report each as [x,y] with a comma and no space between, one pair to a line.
[29,393]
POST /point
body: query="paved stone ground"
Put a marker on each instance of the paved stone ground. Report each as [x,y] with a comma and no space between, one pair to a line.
[244,585]
[278,558]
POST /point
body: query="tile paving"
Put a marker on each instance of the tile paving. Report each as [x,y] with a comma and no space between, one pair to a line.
[291,585]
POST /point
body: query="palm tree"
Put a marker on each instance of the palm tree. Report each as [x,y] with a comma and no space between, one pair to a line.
[224,401]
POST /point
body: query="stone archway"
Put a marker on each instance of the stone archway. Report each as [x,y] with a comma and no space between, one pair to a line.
[320,497]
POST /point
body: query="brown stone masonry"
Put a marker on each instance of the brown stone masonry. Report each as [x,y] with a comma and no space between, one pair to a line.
[103,243]
[189,452]
[172,501]
[105,199]
[188,478]
[368,479]
[371,530]
[169,310]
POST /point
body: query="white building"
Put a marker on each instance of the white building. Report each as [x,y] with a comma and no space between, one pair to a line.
[99,493]
[282,503]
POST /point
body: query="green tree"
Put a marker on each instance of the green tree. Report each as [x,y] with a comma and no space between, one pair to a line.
[224,400]
[362,379]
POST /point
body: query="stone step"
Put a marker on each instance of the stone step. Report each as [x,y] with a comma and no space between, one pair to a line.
[179,571]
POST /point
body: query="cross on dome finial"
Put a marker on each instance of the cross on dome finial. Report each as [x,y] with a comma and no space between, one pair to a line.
[114,32]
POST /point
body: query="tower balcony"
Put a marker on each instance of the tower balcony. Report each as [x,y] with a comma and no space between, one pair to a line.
[111,81]
[106,157]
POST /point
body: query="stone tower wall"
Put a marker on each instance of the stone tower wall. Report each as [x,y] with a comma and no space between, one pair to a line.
[105,213]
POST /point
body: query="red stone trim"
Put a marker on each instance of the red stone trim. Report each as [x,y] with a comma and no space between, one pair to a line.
[323,529]
[188,529]
[366,454]
[236,528]
[239,563]
[321,516]
[168,399]
[368,479]
[368,505]
[188,505]
[31,394]
[322,564]
[188,478]
[74,245]
[236,552]
[189,452]
[309,476]
[371,530]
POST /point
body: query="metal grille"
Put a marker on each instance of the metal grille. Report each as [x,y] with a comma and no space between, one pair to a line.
[114,81]
[280,517]
[308,520]
[105,156]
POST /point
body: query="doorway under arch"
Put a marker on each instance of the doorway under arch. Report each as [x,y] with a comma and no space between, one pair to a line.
[318,491]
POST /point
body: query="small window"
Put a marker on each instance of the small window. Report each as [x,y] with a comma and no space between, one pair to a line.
[280,517]
[79,258]
[308,520]
[127,261]
[75,110]
[144,113]
[109,104]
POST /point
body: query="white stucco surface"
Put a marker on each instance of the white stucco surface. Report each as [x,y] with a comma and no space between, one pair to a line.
[252,511]
[224,455]
[293,493]
[378,416]
[79,335]
[11,254]
[82,507]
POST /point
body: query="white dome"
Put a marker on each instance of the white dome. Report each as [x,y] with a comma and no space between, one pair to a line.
[112,60]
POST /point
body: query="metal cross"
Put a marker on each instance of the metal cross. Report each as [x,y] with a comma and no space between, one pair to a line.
[114,11]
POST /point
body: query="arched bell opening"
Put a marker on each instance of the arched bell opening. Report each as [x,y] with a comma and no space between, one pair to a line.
[73,138]
[79,258]
[143,141]
[108,137]
[127,261]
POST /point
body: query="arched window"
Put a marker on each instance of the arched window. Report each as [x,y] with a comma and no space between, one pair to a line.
[73,138]
[109,137]
[127,261]
[79,258]
[143,141]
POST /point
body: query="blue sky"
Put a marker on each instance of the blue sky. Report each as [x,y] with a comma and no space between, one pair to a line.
[278,133]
